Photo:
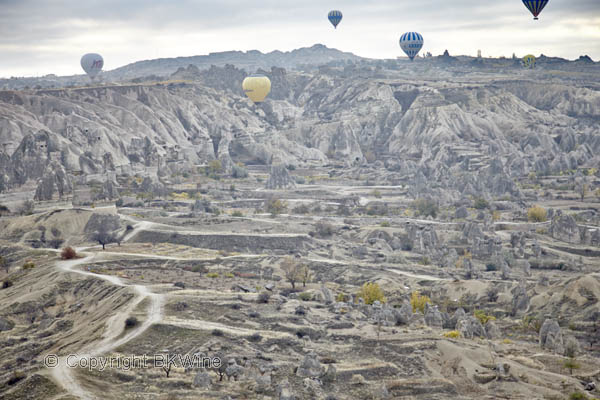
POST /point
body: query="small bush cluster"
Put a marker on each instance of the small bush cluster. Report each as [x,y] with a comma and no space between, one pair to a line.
[483,317]
[275,207]
[28,265]
[537,214]
[481,203]
[255,338]
[324,229]
[342,298]
[419,301]
[377,208]
[263,298]
[371,292]
[305,296]
[452,334]
[426,208]
[491,267]
[68,253]
[212,275]
[301,209]
[239,172]
[578,396]
[131,322]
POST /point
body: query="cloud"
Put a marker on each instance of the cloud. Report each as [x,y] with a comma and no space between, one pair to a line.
[38,37]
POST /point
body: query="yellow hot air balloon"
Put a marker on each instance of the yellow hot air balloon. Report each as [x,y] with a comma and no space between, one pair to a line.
[529,61]
[256,87]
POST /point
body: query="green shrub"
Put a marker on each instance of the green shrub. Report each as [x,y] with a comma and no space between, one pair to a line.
[237,214]
[385,224]
[342,298]
[481,203]
[426,208]
[376,193]
[239,172]
[491,267]
[483,317]
[578,396]
[305,296]
[571,364]
[275,207]
[198,268]
[212,275]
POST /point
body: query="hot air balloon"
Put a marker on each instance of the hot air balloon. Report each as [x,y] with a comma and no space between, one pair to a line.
[256,87]
[411,43]
[335,17]
[92,64]
[535,6]
[529,61]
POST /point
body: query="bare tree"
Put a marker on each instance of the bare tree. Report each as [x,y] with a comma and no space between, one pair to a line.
[305,275]
[582,190]
[104,237]
[292,270]
[104,229]
[167,368]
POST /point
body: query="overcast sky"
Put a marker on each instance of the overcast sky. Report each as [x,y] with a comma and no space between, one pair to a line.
[43,37]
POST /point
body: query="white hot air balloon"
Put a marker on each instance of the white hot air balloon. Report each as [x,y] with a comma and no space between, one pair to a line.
[92,64]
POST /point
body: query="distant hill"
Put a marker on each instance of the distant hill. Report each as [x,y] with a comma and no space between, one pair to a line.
[249,60]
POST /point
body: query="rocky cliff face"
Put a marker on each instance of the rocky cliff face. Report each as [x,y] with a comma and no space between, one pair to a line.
[470,139]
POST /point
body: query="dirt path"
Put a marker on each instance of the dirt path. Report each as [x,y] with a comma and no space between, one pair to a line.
[63,374]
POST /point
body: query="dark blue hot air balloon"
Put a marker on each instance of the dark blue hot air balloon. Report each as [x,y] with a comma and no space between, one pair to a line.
[335,17]
[535,6]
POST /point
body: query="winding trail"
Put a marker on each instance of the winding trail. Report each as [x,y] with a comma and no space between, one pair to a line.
[63,373]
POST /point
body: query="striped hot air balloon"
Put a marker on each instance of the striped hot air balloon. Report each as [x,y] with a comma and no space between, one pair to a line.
[411,43]
[335,17]
[535,6]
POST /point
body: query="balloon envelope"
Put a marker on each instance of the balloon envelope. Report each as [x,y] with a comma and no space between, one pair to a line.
[535,6]
[411,43]
[92,64]
[335,17]
[256,87]
[529,61]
